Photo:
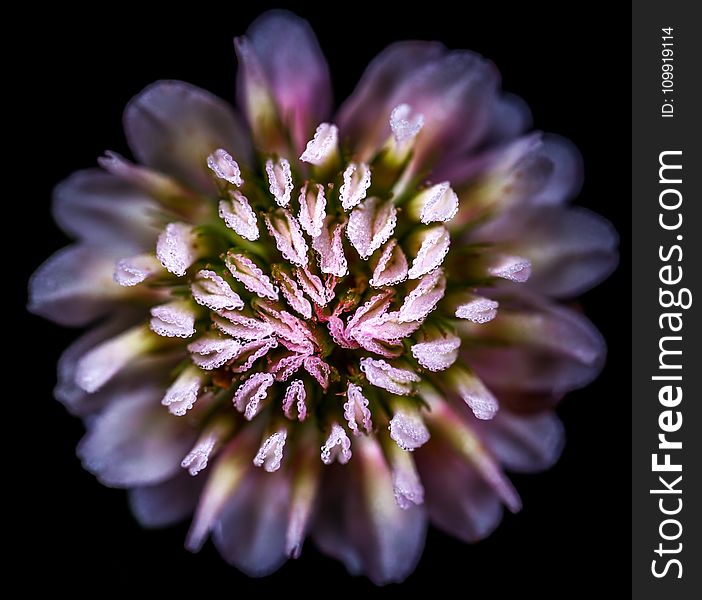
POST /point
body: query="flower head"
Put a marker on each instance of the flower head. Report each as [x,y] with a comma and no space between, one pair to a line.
[340,326]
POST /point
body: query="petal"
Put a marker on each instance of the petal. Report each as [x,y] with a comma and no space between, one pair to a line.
[211,351]
[225,167]
[363,118]
[336,447]
[357,180]
[329,245]
[356,411]
[249,396]
[361,524]
[323,146]
[174,319]
[101,209]
[437,350]
[293,64]
[391,267]
[250,275]
[570,249]
[173,127]
[295,396]
[280,182]
[370,225]
[392,379]
[525,443]
[176,247]
[424,297]
[285,229]
[434,245]
[250,533]
[312,208]
[458,499]
[210,290]
[408,430]
[135,442]
[74,286]
[270,454]
[165,503]
[238,215]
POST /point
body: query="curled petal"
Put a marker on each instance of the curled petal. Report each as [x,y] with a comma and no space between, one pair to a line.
[320,370]
[313,286]
[182,394]
[177,248]
[474,393]
[356,411]
[250,352]
[512,268]
[241,327]
[225,167]
[211,351]
[385,376]
[210,290]
[329,246]
[250,394]
[293,294]
[238,215]
[294,399]
[433,247]
[424,297]
[337,447]
[437,351]
[280,181]
[285,366]
[476,308]
[405,124]
[370,225]
[391,268]
[196,460]
[270,454]
[175,319]
[437,203]
[312,208]
[408,430]
[132,271]
[357,180]
[288,236]
[247,272]
[323,146]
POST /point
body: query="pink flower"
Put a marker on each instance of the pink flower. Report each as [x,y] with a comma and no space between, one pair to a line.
[342,345]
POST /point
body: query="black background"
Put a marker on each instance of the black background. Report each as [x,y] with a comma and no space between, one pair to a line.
[565,61]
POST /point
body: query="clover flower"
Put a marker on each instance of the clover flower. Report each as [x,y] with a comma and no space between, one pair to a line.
[342,327]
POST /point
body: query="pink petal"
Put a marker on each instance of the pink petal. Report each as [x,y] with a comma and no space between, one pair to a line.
[135,442]
[293,294]
[512,268]
[474,393]
[294,399]
[434,246]
[198,458]
[270,454]
[210,290]
[132,271]
[238,215]
[173,127]
[423,299]
[313,286]
[177,248]
[356,411]
[211,351]
[289,240]
[320,370]
[392,266]
[392,379]
[294,66]
[312,208]
[406,484]
[438,351]
[175,319]
[285,366]
[404,123]
[323,146]
[357,180]
[370,225]
[249,395]
[183,392]
[336,447]
[225,167]
[329,246]
[247,272]
[250,352]
[408,430]
[439,203]
[372,309]
[476,308]
[241,327]
[280,181]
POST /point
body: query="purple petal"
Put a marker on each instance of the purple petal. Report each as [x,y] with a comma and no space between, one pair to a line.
[238,215]
[391,268]
[74,286]
[356,411]
[135,442]
[421,300]
[357,180]
[173,127]
[165,503]
[210,290]
[370,225]
[249,396]
[329,245]
[285,230]
[289,56]
[270,454]
[250,275]
[434,245]
[312,208]
[98,208]
[392,379]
